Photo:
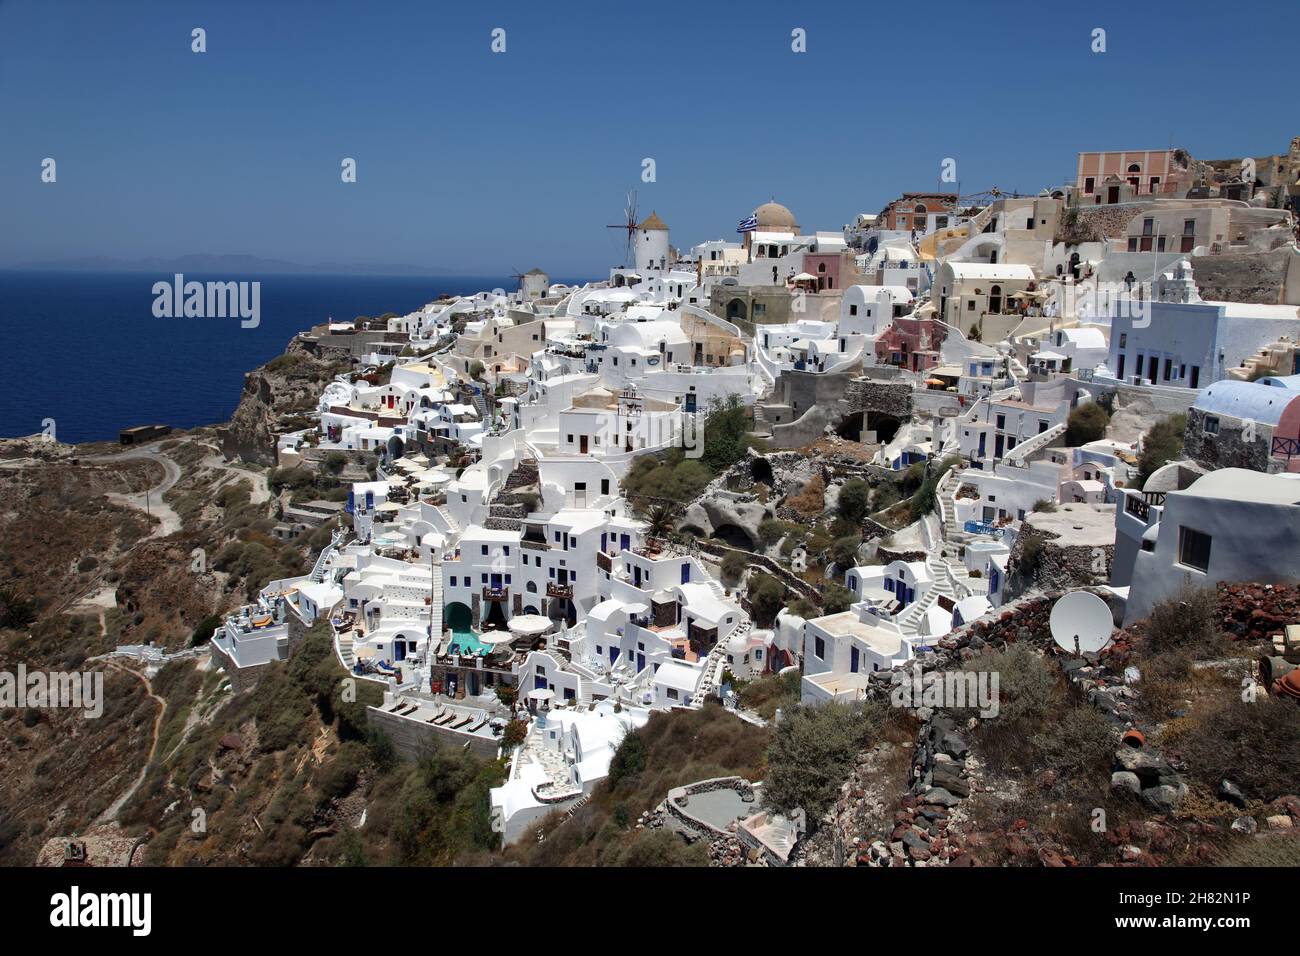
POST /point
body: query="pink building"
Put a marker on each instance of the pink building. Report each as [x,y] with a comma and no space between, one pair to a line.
[910,343]
[1148,172]
[826,267]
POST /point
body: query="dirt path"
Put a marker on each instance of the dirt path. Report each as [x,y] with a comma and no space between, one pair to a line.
[114,808]
[261,491]
[151,500]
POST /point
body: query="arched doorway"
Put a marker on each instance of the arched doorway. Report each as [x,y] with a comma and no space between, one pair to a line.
[850,427]
[995,300]
[736,309]
[562,610]
[458,617]
[885,426]
[760,469]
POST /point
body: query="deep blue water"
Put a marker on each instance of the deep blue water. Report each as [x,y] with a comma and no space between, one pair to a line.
[86,350]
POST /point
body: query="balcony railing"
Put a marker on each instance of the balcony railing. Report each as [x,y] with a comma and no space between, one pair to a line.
[559,590]
[1139,504]
[495,594]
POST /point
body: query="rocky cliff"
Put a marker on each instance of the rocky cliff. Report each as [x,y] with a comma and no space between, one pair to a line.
[278,397]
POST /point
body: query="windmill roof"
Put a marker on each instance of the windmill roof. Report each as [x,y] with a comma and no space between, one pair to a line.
[653,221]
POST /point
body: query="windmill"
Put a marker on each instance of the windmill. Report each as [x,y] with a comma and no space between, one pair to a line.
[518,277]
[629,212]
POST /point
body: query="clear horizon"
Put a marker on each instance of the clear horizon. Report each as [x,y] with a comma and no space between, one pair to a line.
[474,163]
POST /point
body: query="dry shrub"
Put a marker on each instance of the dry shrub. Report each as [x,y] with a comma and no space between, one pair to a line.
[810,501]
[1264,850]
[1255,744]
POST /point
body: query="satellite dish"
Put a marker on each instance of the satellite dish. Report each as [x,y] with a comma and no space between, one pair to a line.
[1081,623]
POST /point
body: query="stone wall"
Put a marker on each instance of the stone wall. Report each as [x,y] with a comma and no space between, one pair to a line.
[1260,277]
[1227,448]
[888,398]
[1044,563]
[412,739]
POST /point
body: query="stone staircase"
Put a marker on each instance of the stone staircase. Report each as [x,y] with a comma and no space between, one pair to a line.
[762,426]
[481,404]
[713,665]
[525,474]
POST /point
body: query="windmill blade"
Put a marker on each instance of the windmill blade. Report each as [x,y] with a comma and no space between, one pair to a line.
[631,226]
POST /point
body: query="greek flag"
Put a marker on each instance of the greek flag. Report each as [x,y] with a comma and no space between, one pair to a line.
[748,225]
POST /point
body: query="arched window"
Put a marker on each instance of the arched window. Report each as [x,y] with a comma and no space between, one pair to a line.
[531,587]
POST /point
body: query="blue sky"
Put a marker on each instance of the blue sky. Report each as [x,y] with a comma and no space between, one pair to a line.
[471,162]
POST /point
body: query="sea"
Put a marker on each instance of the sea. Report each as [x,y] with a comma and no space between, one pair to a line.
[86,357]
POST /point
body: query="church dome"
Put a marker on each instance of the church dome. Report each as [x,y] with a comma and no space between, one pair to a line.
[773,217]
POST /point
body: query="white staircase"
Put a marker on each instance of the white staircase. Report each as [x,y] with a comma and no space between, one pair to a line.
[713,666]
[945,583]
[452,525]
[944,492]
[327,552]
[435,607]
[344,643]
[1017,455]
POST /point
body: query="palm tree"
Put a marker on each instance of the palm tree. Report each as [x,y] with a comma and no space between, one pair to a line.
[661,519]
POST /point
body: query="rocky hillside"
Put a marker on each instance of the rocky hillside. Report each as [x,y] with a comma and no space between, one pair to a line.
[1161,751]
[278,397]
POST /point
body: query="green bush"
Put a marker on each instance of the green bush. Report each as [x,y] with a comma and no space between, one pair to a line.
[734,566]
[673,477]
[854,500]
[773,530]
[813,751]
[844,551]
[766,597]
[726,433]
[628,760]
[1162,444]
[836,598]
[1087,423]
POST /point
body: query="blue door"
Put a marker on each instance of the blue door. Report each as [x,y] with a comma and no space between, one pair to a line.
[640,662]
[613,654]
[853,660]
[624,542]
[686,572]
[399,650]
[539,683]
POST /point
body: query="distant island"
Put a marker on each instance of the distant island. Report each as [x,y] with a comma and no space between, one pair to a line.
[202,262]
